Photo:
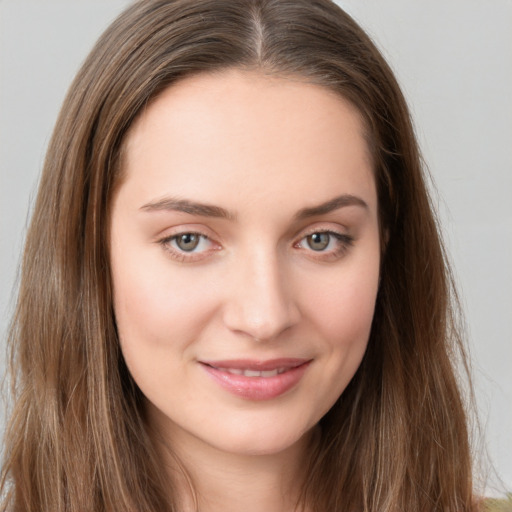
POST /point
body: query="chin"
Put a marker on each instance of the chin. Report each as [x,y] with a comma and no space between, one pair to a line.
[264,441]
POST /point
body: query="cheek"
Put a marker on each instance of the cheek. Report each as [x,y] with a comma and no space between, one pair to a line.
[343,305]
[341,308]
[159,316]
[156,308]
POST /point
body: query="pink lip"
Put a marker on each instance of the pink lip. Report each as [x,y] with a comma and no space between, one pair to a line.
[290,373]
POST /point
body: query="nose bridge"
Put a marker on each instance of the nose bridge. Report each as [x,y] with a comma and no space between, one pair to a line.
[261,304]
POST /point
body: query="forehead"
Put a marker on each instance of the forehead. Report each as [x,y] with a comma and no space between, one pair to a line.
[250,134]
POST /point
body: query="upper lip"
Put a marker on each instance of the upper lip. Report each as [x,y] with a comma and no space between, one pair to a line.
[258,365]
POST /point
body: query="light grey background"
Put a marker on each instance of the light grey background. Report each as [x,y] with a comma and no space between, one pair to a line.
[454,61]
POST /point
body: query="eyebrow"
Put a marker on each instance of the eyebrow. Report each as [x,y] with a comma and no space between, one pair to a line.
[186,206]
[208,210]
[330,206]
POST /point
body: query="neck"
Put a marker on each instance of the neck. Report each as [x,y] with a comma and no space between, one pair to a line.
[210,480]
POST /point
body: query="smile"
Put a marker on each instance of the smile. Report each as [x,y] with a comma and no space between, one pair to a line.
[257,380]
[253,373]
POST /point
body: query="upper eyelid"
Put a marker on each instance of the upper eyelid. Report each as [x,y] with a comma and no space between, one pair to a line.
[171,232]
[213,237]
[322,225]
[320,229]
[341,237]
[182,256]
[174,236]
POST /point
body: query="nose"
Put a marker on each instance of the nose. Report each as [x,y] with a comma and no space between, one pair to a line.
[260,305]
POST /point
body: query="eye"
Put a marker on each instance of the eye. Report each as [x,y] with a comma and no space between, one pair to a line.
[188,246]
[318,241]
[327,244]
[187,242]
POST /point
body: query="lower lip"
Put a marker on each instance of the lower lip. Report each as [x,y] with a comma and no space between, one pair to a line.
[258,388]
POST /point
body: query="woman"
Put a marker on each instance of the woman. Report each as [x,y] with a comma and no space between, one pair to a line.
[234,294]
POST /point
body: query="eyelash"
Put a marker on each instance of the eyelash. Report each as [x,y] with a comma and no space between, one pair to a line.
[181,255]
[344,242]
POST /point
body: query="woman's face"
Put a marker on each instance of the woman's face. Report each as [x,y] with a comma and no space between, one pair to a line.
[245,258]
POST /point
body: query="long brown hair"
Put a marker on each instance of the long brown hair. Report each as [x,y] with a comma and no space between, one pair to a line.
[395,440]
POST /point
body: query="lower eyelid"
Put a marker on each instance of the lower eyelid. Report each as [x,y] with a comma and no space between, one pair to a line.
[343,243]
[201,239]
[168,244]
[347,239]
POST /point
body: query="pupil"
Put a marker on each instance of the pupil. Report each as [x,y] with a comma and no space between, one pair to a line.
[318,241]
[188,241]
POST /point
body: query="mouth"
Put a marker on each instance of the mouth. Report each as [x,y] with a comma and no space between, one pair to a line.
[253,373]
[257,380]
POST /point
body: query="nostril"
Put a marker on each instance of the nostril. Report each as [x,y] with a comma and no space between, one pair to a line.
[260,328]
[259,303]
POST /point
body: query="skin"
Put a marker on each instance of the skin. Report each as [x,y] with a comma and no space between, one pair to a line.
[263,149]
